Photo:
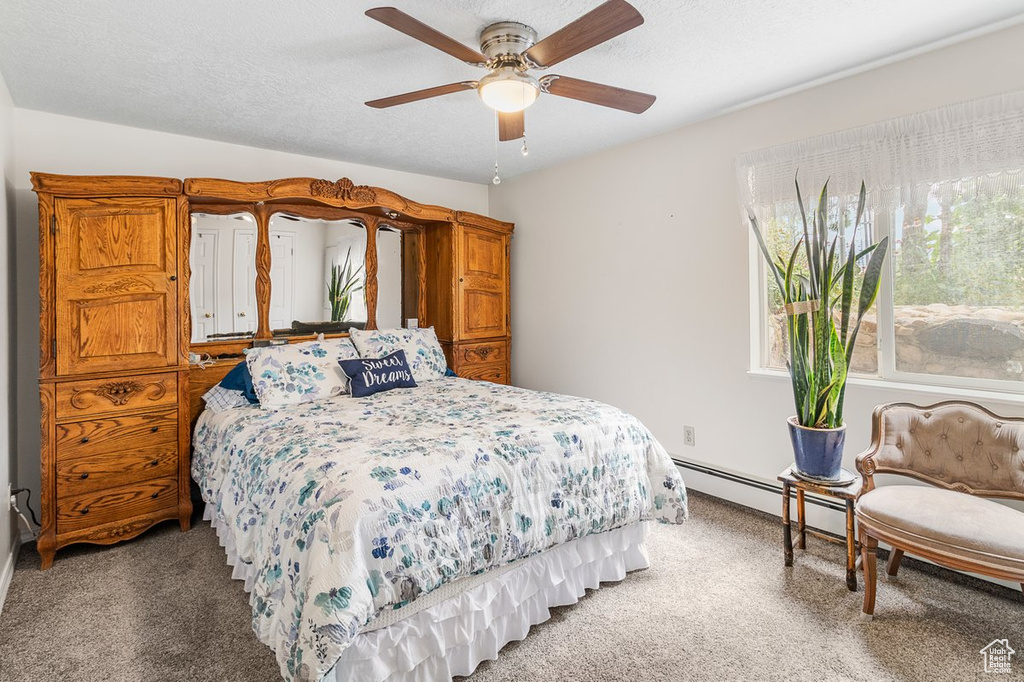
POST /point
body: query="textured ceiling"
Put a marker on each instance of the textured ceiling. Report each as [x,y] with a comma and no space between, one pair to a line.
[293,75]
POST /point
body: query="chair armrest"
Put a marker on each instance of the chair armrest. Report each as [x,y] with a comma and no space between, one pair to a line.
[865,461]
[866,468]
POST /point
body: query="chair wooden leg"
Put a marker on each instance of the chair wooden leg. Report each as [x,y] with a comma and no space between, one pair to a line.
[869,550]
[895,558]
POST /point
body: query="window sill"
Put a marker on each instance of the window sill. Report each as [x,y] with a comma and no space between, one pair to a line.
[942,392]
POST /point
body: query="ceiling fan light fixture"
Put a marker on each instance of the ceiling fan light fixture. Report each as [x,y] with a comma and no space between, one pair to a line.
[507,90]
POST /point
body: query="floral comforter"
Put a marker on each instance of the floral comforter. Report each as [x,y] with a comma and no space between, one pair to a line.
[348,506]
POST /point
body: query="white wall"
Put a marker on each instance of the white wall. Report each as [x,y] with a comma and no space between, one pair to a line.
[630,277]
[8,464]
[61,144]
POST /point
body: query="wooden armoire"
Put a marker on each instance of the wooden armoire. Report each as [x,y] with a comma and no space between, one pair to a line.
[118,394]
[113,378]
[470,302]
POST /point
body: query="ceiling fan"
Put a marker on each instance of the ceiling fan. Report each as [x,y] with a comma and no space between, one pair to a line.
[509,51]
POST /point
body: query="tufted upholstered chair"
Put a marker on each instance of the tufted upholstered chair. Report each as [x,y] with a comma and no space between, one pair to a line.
[966,454]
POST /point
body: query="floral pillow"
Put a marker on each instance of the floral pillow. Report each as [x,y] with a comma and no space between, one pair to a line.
[300,372]
[422,349]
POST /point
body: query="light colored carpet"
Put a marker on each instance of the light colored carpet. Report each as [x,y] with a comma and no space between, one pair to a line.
[716,604]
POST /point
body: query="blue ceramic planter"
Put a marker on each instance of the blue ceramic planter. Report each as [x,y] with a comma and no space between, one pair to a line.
[818,452]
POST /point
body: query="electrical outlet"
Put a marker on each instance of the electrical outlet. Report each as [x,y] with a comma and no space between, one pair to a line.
[412,323]
[689,436]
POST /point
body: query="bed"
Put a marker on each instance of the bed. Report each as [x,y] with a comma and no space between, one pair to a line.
[411,534]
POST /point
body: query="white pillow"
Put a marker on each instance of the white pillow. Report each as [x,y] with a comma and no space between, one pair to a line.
[299,372]
[422,349]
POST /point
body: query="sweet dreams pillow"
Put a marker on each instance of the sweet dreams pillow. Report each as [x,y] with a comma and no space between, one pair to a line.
[422,349]
[300,372]
[368,376]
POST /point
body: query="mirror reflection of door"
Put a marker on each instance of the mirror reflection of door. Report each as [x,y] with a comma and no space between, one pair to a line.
[282,278]
[204,283]
[243,293]
[222,288]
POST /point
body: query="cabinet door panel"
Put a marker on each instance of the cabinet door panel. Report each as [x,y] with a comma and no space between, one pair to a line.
[482,285]
[116,295]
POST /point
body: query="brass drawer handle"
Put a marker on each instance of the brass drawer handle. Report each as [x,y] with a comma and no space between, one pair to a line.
[85,439]
[155,495]
[85,476]
[85,510]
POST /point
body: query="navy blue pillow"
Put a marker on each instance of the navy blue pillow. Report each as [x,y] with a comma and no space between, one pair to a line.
[239,379]
[367,377]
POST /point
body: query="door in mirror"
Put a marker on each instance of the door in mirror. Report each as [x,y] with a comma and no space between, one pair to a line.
[222,288]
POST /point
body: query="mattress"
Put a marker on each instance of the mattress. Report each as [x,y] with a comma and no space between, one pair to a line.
[346,509]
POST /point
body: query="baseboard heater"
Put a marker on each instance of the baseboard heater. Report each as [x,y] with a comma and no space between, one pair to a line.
[754,483]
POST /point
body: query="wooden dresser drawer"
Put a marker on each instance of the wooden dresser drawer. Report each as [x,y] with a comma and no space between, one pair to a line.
[79,399]
[95,436]
[491,352]
[497,374]
[115,504]
[112,469]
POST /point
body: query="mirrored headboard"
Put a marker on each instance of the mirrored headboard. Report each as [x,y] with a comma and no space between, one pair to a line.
[294,269]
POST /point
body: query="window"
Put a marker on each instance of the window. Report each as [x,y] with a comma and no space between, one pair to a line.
[947,188]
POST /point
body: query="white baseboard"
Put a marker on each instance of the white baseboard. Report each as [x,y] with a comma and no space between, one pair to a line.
[7,573]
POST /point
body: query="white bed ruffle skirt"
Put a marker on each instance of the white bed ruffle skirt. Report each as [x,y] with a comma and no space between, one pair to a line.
[452,637]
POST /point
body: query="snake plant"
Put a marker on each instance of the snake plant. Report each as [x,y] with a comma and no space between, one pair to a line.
[344,282]
[819,353]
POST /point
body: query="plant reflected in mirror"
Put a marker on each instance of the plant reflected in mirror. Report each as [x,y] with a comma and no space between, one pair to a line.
[346,279]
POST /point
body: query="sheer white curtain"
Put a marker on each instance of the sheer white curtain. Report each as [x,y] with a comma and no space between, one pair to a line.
[947,187]
[966,147]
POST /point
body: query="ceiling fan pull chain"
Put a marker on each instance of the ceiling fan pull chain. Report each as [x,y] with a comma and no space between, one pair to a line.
[524,149]
[496,180]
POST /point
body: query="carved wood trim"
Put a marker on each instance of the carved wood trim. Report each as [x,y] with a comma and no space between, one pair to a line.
[484,222]
[105,185]
[184,280]
[118,392]
[263,285]
[116,531]
[370,272]
[47,287]
[221,209]
[342,193]
[46,544]
[316,212]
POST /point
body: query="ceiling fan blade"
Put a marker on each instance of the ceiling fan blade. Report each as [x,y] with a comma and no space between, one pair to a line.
[596,26]
[400,21]
[596,93]
[510,125]
[417,95]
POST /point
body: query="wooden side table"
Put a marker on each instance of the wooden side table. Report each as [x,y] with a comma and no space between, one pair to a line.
[848,493]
